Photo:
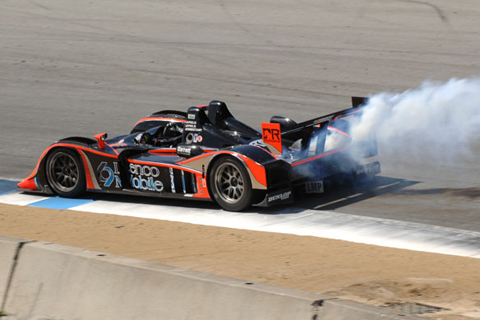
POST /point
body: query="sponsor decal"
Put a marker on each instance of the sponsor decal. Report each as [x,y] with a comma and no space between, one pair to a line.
[184,151]
[108,175]
[149,184]
[193,138]
[280,197]
[193,129]
[192,125]
[143,178]
[191,116]
[197,138]
[369,168]
[146,171]
[314,187]
[271,136]
[188,150]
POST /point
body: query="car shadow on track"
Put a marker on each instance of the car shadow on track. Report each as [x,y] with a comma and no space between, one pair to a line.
[471,193]
[348,194]
[185,203]
[339,196]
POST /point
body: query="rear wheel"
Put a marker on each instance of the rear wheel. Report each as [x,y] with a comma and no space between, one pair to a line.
[65,173]
[230,185]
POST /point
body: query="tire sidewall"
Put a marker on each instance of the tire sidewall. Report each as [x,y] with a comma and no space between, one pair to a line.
[80,187]
[247,197]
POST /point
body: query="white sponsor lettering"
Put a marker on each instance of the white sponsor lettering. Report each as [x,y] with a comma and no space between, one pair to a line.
[193,129]
[184,150]
[147,184]
[146,171]
[142,178]
[192,126]
[281,196]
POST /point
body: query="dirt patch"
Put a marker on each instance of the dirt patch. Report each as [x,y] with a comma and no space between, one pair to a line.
[363,273]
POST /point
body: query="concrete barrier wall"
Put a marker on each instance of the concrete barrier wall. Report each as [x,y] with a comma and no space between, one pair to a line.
[337,309]
[8,251]
[58,282]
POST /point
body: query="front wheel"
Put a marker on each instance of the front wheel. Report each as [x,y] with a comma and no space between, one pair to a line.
[230,185]
[65,173]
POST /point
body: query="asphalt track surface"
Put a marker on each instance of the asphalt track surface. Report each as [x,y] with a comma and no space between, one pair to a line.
[70,68]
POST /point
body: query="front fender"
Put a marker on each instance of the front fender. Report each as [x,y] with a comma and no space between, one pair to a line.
[37,181]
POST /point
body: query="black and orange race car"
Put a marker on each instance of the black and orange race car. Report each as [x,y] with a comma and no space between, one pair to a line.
[208,154]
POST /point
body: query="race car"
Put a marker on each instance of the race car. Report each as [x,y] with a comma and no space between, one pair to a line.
[207,154]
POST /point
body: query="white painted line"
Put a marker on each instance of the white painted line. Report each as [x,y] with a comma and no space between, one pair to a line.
[323,224]
[383,232]
[21,199]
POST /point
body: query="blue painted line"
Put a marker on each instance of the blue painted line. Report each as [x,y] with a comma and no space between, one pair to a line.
[8,186]
[60,203]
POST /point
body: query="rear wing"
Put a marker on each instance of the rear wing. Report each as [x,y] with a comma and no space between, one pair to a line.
[357,103]
[313,133]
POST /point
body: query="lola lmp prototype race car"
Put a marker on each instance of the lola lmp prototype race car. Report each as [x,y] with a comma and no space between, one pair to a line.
[208,154]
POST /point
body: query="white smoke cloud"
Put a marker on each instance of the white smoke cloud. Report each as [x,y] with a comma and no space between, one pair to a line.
[435,121]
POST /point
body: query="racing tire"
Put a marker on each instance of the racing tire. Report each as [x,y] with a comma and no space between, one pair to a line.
[230,185]
[65,173]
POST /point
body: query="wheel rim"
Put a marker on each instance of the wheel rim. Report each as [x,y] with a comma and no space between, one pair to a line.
[63,172]
[229,183]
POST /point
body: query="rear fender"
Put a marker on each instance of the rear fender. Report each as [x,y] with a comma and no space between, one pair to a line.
[253,158]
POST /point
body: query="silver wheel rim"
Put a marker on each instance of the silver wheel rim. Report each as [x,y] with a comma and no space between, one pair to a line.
[63,172]
[229,183]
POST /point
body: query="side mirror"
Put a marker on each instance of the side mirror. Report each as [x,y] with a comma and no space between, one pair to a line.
[189,150]
[101,140]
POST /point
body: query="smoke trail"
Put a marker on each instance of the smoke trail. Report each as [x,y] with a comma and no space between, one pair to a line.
[435,121]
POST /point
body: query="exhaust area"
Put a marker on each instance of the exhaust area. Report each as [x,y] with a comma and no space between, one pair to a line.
[437,121]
